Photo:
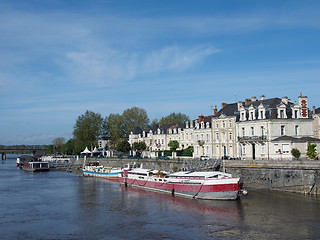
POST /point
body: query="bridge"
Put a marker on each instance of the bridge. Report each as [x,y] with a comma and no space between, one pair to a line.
[15,149]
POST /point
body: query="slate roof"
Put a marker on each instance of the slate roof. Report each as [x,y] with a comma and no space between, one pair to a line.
[318,110]
[137,130]
[293,139]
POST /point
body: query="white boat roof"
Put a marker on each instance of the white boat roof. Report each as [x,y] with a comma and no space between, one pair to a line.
[197,174]
[141,170]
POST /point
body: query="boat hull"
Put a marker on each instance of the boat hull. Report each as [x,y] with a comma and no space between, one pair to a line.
[223,190]
[112,175]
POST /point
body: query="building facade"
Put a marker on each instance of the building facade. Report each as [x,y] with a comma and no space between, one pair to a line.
[251,129]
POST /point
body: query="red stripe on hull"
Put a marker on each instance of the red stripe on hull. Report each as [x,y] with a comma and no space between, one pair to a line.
[189,189]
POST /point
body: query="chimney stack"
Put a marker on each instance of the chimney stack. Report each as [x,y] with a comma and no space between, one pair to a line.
[254,98]
[215,110]
[314,109]
[285,100]
[247,102]
[223,105]
[262,97]
[240,105]
[200,118]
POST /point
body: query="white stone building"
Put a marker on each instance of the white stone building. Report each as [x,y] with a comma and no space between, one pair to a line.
[253,129]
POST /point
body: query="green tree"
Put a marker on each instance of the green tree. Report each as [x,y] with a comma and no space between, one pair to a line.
[312,150]
[58,144]
[295,153]
[173,145]
[189,150]
[133,117]
[123,146]
[88,128]
[113,129]
[178,118]
[140,146]
[69,147]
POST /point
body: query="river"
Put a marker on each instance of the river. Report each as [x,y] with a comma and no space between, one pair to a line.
[61,205]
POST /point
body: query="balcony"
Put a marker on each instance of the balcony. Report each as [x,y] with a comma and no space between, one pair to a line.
[252,139]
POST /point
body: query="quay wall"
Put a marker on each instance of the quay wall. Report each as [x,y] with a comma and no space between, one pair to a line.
[290,176]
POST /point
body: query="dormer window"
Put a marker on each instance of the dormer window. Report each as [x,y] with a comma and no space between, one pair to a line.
[207,125]
[243,115]
[282,112]
[202,124]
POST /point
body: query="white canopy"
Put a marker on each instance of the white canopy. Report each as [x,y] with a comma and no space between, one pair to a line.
[95,150]
[86,151]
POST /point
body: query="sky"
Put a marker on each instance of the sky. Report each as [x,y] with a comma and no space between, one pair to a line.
[59,58]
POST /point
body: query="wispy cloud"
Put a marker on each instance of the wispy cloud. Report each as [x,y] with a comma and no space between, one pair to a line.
[110,66]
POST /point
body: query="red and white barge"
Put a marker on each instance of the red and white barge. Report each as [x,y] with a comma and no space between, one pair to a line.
[202,185]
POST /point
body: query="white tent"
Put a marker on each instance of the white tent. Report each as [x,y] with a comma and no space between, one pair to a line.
[95,150]
[86,151]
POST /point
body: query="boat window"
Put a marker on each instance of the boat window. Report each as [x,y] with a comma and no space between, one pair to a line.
[214,176]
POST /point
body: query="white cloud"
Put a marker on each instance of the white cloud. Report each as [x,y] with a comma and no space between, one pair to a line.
[110,66]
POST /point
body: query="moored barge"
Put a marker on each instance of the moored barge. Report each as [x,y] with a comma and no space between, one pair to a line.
[201,185]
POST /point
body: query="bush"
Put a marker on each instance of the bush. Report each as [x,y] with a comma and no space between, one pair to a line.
[296,153]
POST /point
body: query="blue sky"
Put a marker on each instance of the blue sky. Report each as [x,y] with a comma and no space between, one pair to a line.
[60,58]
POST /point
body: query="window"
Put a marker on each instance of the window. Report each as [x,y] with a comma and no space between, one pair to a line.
[262,131]
[282,131]
[296,113]
[261,114]
[162,141]
[262,149]
[223,124]
[208,138]
[230,136]
[252,131]
[230,123]
[285,148]
[296,130]
[244,149]
[243,133]
[217,136]
[217,124]
[251,115]
[242,116]
[281,113]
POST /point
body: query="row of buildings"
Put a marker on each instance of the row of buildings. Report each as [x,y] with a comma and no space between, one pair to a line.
[251,129]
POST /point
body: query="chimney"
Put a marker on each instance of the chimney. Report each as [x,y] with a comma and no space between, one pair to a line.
[215,110]
[240,105]
[247,102]
[254,98]
[262,97]
[285,100]
[314,109]
[303,103]
[200,118]
[223,105]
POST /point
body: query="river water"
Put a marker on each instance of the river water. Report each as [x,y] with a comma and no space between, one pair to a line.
[60,205]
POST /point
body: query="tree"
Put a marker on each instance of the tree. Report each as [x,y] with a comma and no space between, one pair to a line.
[88,128]
[58,144]
[189,150]
[69,147]
[178,118]
[312,150]
[113,128]
[173,145]
[295,153]
[140,146]
[133,117]
[123,146]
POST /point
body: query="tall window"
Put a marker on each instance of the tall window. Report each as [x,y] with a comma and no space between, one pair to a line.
[217,136]
[223,124]
[252,131]
[230,136]
[296,113]
[243,133]
[262,131]
[282,131]
[251,115]
[281,113]
[296,130]
[230,123]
